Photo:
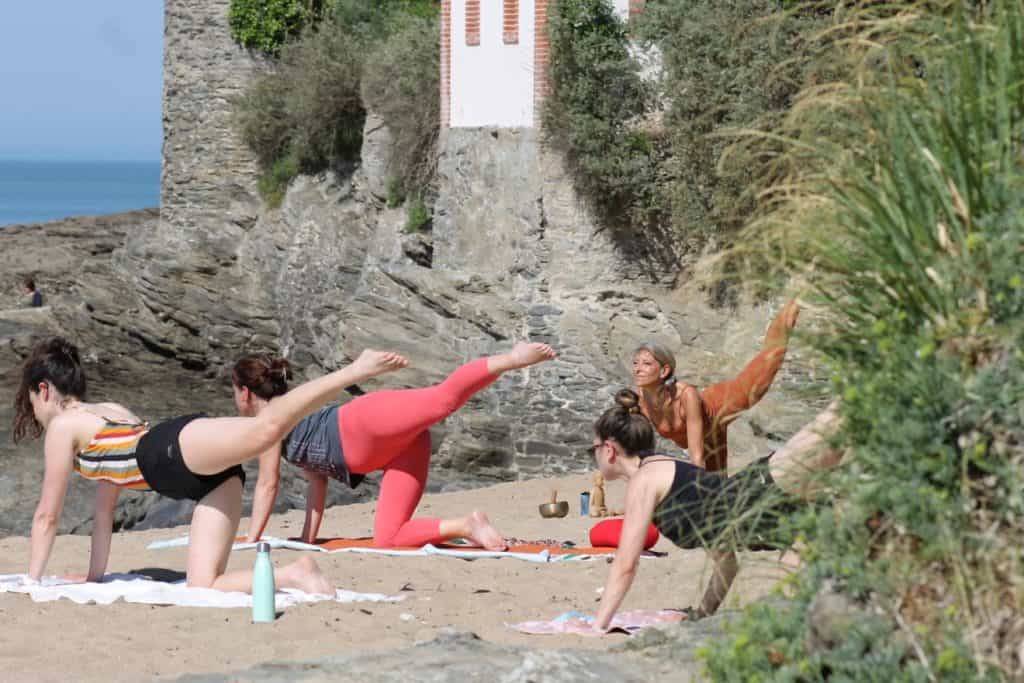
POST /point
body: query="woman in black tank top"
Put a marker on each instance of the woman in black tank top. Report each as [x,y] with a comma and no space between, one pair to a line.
[693,507]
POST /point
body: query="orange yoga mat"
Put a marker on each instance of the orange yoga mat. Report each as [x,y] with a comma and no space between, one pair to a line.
[342,543]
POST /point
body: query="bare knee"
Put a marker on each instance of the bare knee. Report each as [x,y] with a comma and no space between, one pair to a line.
[385,539]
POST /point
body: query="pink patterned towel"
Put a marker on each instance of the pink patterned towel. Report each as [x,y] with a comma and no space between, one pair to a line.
[583,624]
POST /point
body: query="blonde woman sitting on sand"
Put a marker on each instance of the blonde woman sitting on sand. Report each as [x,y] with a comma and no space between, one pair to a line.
[382,430]
[699,420]
[192,457]
[693,507]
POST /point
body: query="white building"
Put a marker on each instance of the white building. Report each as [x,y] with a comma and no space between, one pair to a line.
[494,61]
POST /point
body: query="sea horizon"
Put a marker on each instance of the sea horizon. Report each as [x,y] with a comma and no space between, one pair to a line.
[44,190]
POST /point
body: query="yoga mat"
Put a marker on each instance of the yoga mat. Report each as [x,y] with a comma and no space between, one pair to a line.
[579,623]
[142,589]
[529,553]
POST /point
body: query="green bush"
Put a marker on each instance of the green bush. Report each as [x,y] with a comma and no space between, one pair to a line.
[904,213]
[731,69]
[418,216]
[266,25]
[307,115]
[401,83]
[323,108]
[596,97]
[274,182]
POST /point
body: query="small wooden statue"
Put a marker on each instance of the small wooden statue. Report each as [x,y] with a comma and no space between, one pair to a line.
[597,506]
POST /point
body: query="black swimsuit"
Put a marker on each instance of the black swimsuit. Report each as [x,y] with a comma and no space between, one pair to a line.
[701,506]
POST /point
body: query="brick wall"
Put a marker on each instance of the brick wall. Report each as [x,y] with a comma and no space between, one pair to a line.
[472,22]
[446,63]
[540,58]
[510,22]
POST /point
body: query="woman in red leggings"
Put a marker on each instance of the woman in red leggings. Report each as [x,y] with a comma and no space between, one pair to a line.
[698,420]
[382,430]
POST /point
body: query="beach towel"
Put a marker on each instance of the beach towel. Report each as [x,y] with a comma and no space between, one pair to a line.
[582,624]
[142,589]
[529,552]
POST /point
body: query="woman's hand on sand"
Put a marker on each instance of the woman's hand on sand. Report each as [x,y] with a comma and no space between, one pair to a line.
[372,363]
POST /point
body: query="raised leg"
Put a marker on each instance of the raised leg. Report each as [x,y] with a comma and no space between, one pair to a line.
[378,426]
[212,445]
[723,402]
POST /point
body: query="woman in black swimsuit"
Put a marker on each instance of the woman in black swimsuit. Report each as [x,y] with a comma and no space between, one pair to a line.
[693,507]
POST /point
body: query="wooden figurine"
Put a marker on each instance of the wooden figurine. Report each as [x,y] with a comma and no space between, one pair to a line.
[597,506]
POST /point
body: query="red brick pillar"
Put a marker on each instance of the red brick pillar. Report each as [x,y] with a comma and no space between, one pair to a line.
[540,58]
[472,22]
[446,63]
[636,7]
[510,22]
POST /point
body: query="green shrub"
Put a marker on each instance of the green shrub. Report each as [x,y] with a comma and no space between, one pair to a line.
[266,25]
[418,216]
[273,183]
[323,108]
[401,83]
[308,113]
[596,97]
[903,212]
[731,69]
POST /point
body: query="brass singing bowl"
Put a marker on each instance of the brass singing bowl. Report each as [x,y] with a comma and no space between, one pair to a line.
[559,509]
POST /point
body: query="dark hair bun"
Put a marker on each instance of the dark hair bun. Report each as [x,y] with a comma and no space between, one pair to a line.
[628,399]
[61,347]
[281,369]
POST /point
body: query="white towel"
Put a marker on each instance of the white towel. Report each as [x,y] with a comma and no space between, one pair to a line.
[139,588]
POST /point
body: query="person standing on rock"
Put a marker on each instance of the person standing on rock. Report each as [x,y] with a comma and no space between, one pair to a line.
[381,430]
[698,420]
[192,457]
[695,508]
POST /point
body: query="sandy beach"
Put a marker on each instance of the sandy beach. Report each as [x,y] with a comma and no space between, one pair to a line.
[55,641]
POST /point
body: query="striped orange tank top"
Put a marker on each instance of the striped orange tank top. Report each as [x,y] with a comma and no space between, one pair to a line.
[110,456]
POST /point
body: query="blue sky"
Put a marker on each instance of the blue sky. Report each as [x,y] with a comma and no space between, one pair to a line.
[81,79]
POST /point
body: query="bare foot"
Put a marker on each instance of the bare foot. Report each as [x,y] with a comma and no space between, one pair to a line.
[373,363]
[483,534]
[790,313]
[305,575]
[523,354]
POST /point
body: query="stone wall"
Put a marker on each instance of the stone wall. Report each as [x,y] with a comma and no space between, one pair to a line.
[192,271]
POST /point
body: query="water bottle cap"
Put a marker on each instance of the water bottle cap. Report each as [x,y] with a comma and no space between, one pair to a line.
[263,547]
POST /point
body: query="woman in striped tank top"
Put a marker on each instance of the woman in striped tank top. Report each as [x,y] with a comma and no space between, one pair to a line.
[193,457]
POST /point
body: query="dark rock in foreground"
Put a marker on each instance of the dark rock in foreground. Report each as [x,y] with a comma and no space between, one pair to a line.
[656,654]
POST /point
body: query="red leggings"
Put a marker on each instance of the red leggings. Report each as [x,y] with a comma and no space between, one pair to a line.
[387,430]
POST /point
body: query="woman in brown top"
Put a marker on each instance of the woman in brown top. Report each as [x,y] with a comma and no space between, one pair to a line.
[697,420]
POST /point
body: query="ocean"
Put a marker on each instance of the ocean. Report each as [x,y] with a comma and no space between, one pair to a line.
[39,191]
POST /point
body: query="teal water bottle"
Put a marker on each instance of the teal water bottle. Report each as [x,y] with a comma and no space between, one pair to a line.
[263,585]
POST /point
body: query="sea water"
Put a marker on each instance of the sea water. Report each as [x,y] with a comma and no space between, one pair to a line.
[39,191]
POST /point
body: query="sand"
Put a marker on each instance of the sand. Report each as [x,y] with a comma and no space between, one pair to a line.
[58,641]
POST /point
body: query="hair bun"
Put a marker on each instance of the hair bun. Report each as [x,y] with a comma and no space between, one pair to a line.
[281,368]
[61,346]
[628,399]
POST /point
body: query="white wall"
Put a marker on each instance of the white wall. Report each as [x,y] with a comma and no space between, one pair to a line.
[492,83]
[621,9]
